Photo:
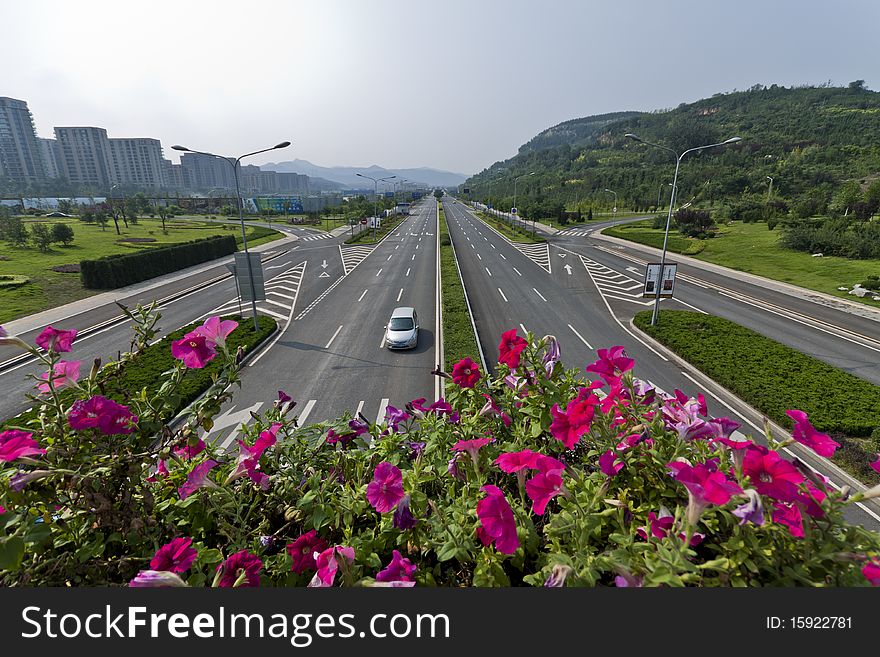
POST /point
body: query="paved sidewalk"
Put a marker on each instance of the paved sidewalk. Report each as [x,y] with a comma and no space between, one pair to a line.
[814,296]
[59,313]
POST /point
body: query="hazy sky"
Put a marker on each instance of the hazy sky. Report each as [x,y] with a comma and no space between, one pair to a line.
[450,84]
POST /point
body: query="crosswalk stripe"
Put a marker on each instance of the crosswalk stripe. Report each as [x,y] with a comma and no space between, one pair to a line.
[383,405]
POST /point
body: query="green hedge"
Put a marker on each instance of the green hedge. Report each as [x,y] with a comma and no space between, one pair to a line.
[458,333]
[773,378]
[145,371]
[123,269]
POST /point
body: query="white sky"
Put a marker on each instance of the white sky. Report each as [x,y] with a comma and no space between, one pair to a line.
[452,84]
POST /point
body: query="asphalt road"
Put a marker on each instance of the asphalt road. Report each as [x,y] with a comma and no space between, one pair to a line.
[545,289]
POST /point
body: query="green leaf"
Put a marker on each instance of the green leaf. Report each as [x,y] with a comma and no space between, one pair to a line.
[11,552]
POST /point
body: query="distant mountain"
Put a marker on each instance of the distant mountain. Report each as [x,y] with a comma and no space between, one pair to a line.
[347,176]
[576,132]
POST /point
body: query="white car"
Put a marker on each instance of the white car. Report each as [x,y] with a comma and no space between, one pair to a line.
[402,331]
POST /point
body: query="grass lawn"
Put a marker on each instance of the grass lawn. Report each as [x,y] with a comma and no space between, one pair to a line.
[514,234]
[754,249]
[48,288]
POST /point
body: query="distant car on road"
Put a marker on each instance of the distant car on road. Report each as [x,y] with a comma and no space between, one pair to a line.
[57,214]
[402,331]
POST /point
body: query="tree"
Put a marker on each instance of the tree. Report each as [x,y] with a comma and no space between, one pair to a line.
[65,205]
[42,236]
[142,204]
[438,193]
[87,216]
[857,85]
[164,213]
[102,219]
[694,223]
[13,230]
[132,208]
[62,233]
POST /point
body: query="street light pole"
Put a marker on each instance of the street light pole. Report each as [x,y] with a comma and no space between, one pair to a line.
[611,191]
[770,188]
[376,182]
[678,158]
[235,163]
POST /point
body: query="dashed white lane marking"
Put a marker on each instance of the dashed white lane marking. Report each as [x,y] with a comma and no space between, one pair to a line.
[502,256]
[303,416]
[525,332]
[589,346]
[382,407]
[359,408]
[414,256]
[379,272]
[539,294]
[334,337]
[389,257]
[407,271]
[517,271]
[488,272]
[400,294]
[363,294]
[479,256]
[502,294]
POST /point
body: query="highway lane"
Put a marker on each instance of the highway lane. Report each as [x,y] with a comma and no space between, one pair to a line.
[331,358]
[810,324]
[512,289]
[293,275]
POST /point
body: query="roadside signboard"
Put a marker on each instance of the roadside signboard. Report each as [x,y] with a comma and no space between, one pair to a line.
[512,210]
[364,220]
[242,275]
[615,210]
[652,273]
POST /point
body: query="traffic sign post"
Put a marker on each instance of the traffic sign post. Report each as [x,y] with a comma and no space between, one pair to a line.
[250,289]
[667,286]
[232,269]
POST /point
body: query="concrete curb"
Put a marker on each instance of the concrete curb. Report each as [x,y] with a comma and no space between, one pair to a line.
[852,307]
[803,453]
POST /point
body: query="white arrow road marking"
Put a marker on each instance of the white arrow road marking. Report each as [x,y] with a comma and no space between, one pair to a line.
[324,264]
[324,274]
[568,269]
[561,255]
[233,419]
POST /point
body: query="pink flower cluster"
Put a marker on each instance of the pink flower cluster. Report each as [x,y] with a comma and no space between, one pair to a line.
[199,347]
[106,415]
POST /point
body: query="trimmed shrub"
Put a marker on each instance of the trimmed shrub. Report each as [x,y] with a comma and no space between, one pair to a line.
[119,270]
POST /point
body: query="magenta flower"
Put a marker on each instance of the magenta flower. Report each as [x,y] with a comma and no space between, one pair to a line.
[705,486]
[753,510]
[453,469]
[497,523]
[65,373]
[611,363]
[104,414]
[510,348]
[440,407]
[393,416]
[403,517]
[811,501]
[15,444]
[302,551]
[57,340]
[806,434]
[790,516]
[399,570]
[329,562]
[491,408]
[386,490]
[659,526]
[568,427]
[628,580]
[176,556]
[465,373]
[551,355]
[156,579]
[871,571]
[723,427]
[161,471]
[542,488]
[875,465]
[197,478]
[511,462]
[547,464]
[187,452]
[558,575]
[193,350]
[471,446]
[215,331]
[607,464]
[283,397]
[240,564]
[248,461]
[770,474]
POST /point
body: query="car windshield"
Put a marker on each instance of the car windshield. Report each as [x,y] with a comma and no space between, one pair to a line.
[401,324]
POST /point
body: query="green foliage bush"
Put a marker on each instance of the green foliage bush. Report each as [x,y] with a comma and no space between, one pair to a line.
[834,237]
[770,376]
[124,269]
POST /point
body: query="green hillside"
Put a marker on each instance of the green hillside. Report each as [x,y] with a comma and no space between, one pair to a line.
[810,140]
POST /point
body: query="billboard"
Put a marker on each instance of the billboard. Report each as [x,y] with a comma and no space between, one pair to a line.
[280,204]
[652,273]
[389,194]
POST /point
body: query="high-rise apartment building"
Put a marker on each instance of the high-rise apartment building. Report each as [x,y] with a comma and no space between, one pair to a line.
[206,172]
[85,156]
[137,162]
[49,149]
[21,158]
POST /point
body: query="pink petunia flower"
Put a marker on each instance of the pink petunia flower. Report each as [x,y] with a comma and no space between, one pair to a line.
[607,464]
[57,340]
[109,417]
[705,486]
[15,444]
[65,374]
[197,478]
[328,564]
[187,452]
[215,331]
[386,490]
[770,474]
[394,417]
[547,464]
[510,348]
[497,523]
[465,373]
[471,446]
[871,571]
[403,517]
[611,363]
[511,462]
[238,564]
[806,434]
[175,556]
[568,427]
[875,465]
[542,488]
[399,570]
[811,501]
[790,516]
[248,461]
[551,355]
[156,579]
[753,510]
[193,350]
[302,551]
[491,408]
